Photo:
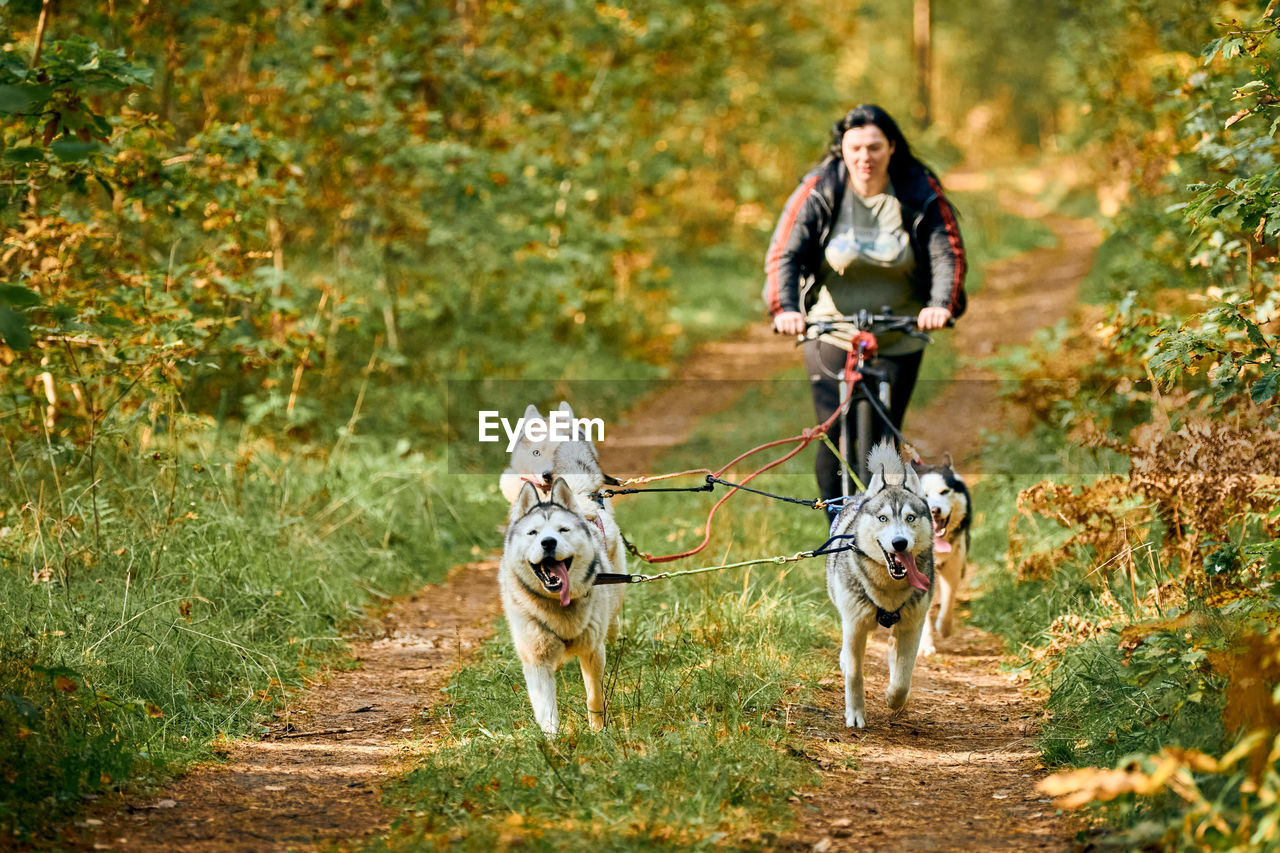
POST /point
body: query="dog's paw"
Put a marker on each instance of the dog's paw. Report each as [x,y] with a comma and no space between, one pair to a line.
[897,699]
[927,648]
[855,719]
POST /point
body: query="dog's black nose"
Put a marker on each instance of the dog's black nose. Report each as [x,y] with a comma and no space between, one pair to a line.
[549,544]
[900,545]
[546,476]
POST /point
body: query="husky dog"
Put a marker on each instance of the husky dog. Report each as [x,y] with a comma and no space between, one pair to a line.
[951,511]
[530,459]
[535,461]
[578,462]
[886,577]
[550,557]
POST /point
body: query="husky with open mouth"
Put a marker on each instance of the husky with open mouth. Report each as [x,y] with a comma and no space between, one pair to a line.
[577,461]
[550,559]
[886,577]
[950,510]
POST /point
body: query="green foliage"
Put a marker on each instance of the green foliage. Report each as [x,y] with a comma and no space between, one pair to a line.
[1227,338]
[300,194]
[1107,702]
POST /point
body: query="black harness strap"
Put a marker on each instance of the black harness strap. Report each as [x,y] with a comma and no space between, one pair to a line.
[544,626]
[888,619]
[812,504]
[824,549]
[605,578]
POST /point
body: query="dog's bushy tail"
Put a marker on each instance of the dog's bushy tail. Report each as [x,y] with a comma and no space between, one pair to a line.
[885,461]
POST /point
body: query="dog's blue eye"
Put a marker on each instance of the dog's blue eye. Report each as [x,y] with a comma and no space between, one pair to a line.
[532,532]
[910,518]
[884,519]
[537,453]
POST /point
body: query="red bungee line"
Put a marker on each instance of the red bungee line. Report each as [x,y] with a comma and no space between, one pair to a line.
[850,376]
[804,438]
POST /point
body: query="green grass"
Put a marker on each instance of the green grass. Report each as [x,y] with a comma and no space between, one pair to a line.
[213,579]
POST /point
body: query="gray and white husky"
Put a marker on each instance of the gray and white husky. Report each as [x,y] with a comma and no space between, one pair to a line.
[549,560]
[951,510]
[542,461]
[887,577]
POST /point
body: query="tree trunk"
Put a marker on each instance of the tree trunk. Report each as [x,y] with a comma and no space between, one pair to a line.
[922,20]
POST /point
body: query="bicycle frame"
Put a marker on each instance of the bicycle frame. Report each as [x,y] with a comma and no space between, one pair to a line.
[862,420]
[861,410]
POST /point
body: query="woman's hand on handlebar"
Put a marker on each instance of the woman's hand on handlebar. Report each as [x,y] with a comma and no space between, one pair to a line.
[932,318]
[790,323]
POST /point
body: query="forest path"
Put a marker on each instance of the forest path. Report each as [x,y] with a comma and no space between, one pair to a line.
[957,773]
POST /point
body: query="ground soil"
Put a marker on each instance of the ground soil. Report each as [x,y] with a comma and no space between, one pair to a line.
[957,773]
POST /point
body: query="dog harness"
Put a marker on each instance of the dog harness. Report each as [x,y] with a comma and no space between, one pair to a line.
[887,619]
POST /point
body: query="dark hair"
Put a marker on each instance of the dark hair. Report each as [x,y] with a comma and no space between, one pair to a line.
[901,163]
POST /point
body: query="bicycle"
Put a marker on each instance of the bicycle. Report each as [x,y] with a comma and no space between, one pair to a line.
[866,406]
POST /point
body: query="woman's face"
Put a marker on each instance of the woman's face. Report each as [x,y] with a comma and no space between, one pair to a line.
[866,152]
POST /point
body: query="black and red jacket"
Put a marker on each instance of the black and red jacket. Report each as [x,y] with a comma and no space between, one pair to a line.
[795,254]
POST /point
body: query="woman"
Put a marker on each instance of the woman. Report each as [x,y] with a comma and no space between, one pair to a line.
[867,228]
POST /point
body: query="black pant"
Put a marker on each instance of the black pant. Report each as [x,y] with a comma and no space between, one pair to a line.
[824,363]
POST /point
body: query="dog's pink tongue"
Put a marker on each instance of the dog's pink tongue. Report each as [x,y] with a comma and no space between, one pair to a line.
[914,577]
[940,545]
[561,571]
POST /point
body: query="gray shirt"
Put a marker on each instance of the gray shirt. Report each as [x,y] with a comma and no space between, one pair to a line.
[868,265]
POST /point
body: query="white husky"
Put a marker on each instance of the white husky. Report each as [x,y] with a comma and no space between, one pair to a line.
[541,462]
[550,558]
[887,577]
[950,508]
[531,459]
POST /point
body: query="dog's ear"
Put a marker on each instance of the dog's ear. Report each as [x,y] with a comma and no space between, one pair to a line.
[875,485]
[885,464]
[562,494]
[950,464]
[525,501]
[912,483]
[532,414]
[564,407]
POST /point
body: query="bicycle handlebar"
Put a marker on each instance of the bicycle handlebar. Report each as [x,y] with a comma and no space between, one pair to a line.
[868,322]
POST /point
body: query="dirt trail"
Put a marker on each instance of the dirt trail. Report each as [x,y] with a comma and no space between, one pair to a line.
[317,776]
[956,774]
